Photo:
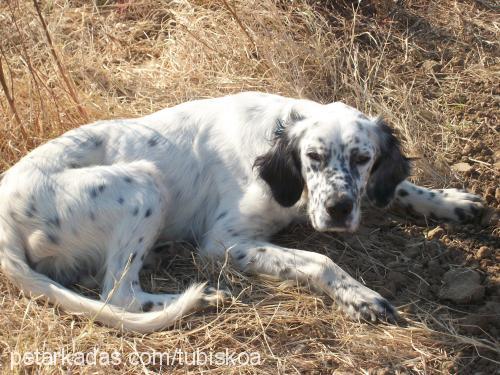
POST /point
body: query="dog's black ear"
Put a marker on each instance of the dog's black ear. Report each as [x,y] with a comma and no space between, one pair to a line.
[390,168]
[280,168]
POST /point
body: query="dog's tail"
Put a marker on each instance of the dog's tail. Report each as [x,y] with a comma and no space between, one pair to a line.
[16,268]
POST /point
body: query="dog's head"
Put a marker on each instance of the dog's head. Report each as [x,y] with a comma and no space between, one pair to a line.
[333,158]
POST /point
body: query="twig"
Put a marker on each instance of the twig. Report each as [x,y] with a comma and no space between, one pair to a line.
[10,99]
[67,81]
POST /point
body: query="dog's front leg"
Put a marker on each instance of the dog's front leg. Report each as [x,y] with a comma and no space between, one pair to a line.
[316,270]
[440,204]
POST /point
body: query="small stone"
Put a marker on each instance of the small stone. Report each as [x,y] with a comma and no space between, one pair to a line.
[462,286]
[461,167]
[483,252]
[467,150]
[435,233]
[497,194]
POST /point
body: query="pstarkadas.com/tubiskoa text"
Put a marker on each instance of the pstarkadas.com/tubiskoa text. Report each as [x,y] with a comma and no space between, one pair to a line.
[96,357]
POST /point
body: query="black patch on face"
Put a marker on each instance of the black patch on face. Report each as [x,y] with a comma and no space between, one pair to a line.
[147,306]
[280,168]
[402,193]
[148,213]
[390,168]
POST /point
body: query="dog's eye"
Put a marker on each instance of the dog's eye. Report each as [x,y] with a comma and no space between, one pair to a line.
[361,159]
[314,156]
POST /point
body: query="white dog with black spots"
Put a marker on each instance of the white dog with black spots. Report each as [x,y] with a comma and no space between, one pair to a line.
[226,174]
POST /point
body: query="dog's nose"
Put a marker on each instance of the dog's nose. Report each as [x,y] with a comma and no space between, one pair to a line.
[341,209]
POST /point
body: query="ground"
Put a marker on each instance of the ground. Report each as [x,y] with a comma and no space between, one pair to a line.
[430,68]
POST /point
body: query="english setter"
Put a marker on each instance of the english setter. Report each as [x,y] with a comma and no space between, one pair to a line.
[224,173]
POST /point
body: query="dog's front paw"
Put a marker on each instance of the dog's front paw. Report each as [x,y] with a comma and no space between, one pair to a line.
[364,303]
[459,206]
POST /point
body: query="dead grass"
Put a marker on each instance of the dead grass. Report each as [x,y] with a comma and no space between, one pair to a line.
[430,68]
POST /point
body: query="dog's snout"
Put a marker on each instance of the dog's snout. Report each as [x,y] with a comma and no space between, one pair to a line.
[341,209]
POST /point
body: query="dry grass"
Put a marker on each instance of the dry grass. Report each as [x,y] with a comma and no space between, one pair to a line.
[430,67]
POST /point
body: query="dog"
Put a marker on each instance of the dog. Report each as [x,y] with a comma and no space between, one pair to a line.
[223,173]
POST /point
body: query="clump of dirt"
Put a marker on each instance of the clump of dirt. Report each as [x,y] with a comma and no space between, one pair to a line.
[462,286]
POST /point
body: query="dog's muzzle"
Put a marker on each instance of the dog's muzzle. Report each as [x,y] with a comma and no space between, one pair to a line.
[340,212]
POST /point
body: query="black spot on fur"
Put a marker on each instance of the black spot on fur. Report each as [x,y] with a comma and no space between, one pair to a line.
[153,142]
[121,200]
[135,282]
[147,306]
[261,250]
[474,209]
[55,221]
[133,257]
[432,194]
[93,193]
[97,142]
[221,215]
[128,179]
[53,238]
[241,256]
[136,211]
[402,193]
[460,213]
[148,213]
[101,188]
[141,239]
[284,272]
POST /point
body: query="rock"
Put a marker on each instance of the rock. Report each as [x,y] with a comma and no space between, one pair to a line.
[462,286]
[497,194]
[461,167]
[483,252]
[435,233]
